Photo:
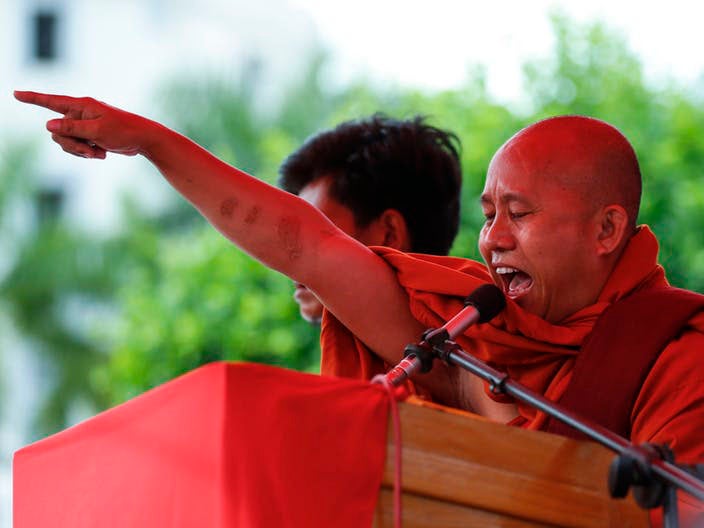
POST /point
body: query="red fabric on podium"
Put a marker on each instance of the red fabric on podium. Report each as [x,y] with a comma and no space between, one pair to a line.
[226,445]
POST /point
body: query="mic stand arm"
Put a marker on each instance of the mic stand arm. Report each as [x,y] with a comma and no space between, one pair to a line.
[649,469]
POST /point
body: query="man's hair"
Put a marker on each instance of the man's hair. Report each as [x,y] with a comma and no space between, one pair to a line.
[380,163]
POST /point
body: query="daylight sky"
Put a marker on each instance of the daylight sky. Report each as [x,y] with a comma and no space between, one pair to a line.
[430,43]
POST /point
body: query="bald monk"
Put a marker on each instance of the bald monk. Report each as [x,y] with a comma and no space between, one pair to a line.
[560,239]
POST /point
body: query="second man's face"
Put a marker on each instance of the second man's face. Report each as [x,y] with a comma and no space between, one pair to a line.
[317,193]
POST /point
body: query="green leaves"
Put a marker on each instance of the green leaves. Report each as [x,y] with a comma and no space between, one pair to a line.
[207,301]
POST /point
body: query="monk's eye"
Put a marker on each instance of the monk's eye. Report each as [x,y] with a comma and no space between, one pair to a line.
[489,218]
[518,214]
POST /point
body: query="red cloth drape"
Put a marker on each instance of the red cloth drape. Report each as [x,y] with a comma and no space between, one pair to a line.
[226,445]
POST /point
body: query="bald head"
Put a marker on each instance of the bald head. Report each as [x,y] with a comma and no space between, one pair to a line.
[581,154]
[560,199]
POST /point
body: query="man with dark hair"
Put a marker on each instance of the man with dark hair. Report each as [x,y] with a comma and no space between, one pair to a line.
[371,177]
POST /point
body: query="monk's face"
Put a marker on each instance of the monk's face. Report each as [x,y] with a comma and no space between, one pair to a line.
[317,194]
[536,239]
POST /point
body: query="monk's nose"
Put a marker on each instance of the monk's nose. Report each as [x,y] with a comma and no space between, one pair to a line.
[498,236]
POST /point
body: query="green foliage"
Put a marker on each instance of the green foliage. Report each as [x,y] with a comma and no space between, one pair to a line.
[200,300]
[170,293]
[58,271]
[15,173]
[591,72]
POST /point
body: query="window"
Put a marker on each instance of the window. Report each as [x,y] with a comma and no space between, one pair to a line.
[45,35]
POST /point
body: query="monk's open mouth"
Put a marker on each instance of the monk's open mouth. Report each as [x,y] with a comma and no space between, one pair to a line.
[515,282]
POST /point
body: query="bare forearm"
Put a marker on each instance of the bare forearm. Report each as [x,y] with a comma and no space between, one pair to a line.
[277,228]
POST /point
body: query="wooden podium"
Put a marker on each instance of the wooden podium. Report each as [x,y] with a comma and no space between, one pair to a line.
[179,457]
[461,471]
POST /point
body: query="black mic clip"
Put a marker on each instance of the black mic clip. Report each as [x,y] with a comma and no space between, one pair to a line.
[434,344]
[632,469]
[439,344]
[424,352]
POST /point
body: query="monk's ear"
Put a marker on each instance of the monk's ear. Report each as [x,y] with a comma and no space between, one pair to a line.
[394,229]
[612,229]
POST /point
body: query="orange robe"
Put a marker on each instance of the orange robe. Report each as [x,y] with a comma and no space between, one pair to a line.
[540,355]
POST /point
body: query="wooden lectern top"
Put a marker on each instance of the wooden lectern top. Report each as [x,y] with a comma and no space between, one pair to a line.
[465,471]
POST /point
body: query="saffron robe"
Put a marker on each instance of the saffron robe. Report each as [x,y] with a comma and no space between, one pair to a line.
[539,354]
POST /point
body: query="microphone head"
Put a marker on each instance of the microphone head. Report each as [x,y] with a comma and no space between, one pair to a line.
[488,300]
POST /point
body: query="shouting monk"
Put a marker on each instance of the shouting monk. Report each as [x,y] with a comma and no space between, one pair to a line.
[560,238]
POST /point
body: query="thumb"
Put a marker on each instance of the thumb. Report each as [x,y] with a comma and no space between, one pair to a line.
[79,128]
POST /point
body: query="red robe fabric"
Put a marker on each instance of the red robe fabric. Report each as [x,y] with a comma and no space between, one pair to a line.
[539,354]
[223,446]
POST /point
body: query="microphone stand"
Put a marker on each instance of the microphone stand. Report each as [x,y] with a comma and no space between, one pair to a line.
[649,469]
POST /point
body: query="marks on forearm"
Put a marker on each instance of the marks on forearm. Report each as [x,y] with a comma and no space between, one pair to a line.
[227,207]
[252,215]
[289,233]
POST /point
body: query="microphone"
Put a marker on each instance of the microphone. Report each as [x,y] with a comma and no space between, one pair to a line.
[481,306]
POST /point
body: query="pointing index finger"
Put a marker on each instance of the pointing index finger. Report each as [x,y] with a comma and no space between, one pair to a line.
[58,103]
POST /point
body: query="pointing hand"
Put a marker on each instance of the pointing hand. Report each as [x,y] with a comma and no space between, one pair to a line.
[90,128]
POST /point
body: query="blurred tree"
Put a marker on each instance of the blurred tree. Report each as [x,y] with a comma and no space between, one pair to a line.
[51,275]
[15,163]
[207,302]
[16,167]
[57,277]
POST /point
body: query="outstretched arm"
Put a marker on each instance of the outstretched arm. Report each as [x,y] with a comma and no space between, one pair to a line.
[277,228]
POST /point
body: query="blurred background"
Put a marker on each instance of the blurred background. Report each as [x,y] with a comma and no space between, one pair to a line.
[111,284]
